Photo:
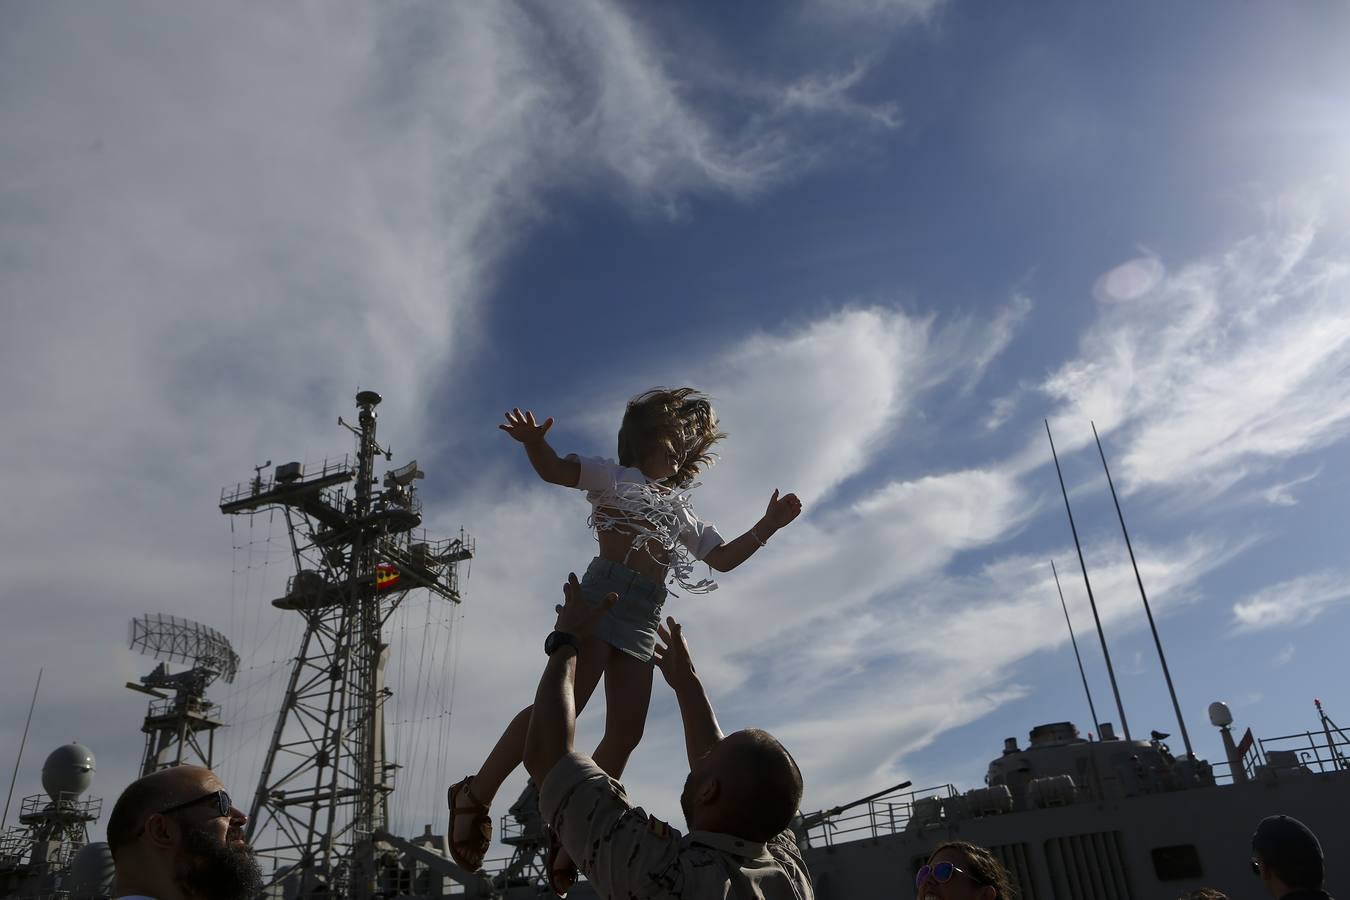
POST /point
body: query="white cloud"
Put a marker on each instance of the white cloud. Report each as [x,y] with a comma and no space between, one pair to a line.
[1214,371]
[1130,280]
[832,93]
[870,13]
[1284,657]
[1291,603]
[218,224]
[1282,494]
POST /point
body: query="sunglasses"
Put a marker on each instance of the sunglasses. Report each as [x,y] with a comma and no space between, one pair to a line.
[1256,866]
[941,873]
[221,799]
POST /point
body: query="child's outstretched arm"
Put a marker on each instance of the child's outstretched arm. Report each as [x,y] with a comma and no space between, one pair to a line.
[551,467]
[780,512]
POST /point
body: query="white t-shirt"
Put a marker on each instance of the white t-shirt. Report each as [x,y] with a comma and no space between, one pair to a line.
[624,499]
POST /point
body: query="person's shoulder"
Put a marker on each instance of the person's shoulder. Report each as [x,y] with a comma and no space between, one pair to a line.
[573,776]
[600,473]
[786,853]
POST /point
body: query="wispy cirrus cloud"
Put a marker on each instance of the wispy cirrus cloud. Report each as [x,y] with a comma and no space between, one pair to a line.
[1221,367]
[1282,494]
[1291,603]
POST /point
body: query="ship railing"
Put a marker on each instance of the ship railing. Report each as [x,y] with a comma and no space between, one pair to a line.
[885,815]
[336,498]
[172,706]
[1304,752]
[15,845]
[262,484]
[67,804]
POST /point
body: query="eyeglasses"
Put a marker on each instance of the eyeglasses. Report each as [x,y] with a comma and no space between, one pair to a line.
[222,801]
[941,873]
[1256,866]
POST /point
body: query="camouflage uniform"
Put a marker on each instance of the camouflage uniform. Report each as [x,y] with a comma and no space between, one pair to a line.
[629,854]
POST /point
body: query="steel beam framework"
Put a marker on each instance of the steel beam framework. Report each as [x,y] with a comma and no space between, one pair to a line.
[323,793]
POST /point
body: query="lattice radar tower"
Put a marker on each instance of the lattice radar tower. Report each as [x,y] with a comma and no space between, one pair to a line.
[180,726]
[322,799]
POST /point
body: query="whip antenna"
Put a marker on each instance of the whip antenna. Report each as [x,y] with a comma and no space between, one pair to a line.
[1157,642]
[1096,726]
[1101,635]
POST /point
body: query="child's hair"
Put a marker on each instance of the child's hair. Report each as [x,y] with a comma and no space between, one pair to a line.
[680,414]
[983,867]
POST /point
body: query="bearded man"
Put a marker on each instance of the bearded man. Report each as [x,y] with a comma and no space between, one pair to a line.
[176,835]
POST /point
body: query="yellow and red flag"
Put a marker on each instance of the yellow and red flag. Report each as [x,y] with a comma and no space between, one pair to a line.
[386,576]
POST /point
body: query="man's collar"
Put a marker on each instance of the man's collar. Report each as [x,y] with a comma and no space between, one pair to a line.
[729,843]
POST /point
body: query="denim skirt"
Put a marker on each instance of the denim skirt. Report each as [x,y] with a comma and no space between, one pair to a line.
[630,625]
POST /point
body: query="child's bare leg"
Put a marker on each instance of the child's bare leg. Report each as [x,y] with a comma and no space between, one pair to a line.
[510,747]
[628,693]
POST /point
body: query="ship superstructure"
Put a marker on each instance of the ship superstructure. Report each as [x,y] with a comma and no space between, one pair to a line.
[1106,819]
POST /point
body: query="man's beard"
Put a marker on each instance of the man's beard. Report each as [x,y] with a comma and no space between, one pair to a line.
[211,870]
[687,801]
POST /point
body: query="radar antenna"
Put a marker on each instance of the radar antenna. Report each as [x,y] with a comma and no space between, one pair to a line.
[321,809]
[180,714]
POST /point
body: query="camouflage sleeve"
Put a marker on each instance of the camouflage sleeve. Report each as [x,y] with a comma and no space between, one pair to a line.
[625,852]
[783,847]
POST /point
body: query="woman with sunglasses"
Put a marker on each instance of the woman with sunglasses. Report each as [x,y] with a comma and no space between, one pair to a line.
[957,870]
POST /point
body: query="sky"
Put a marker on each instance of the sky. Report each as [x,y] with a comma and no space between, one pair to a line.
[889,238]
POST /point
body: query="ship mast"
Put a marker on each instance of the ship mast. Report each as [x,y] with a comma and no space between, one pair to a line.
[323,794]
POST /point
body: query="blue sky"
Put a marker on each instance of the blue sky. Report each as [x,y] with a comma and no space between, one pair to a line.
[887,237]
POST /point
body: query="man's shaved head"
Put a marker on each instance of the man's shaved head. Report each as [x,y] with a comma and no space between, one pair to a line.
[150,794]
[763,783]
[172,837]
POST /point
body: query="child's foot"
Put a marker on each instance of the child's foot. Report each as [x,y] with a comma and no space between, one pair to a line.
[562,872]
[470,831]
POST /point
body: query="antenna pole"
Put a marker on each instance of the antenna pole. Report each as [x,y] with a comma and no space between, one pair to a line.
[1157,642]
[1101,635]
[1096,726]
[22,743]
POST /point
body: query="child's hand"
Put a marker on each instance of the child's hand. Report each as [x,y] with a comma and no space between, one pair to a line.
[575,615]
[782,510]
[673,658]
[522,427]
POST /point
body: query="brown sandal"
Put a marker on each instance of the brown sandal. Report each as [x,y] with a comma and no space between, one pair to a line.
[469,852]
[571,874]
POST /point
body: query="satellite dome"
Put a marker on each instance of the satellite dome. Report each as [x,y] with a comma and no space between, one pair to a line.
[1219,715]
[91,873]
[68,770]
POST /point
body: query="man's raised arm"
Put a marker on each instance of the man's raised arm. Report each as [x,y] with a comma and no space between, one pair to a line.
[554,720]
[701,731]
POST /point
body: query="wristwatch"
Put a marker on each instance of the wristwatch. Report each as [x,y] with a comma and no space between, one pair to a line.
[560,639]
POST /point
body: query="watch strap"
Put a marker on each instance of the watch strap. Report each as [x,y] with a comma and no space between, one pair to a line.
[558,639]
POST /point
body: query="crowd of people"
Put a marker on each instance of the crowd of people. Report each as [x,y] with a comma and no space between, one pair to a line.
[1286,856]
[176,835]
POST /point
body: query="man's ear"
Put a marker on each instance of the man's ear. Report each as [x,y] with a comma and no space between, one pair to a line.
[988,892]
[710,791]
[160,833]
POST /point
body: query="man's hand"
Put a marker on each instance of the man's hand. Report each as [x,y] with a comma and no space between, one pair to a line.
[575,615]
[782,510]
[701,731]
[672,656]
[522,427]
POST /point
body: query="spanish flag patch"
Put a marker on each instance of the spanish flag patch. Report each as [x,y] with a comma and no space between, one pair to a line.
[657,827]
